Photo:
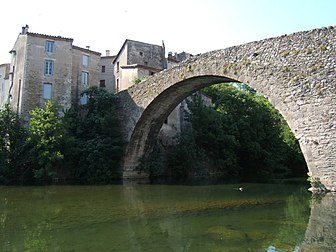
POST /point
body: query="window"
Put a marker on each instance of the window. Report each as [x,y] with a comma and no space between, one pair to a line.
[83,99]
[48,67]
[47,91]
[141,53]
[117,66]
[102,83]
[49,46]
[85,60]
[85,78]
[103,69]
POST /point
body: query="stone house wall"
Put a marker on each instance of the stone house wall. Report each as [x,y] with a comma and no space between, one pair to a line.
[93,70]
[107,76]
[35,76]
[4,83]
[31,85]
[17,72]
[136,59]
[120,60]
[145,54]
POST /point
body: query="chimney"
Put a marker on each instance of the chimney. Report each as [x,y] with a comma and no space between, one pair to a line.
[88,47]
[25,29]
[107,52]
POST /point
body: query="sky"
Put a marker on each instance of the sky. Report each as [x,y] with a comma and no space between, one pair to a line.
[193,26]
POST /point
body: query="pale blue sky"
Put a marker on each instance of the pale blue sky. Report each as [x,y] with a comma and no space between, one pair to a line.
[194,26]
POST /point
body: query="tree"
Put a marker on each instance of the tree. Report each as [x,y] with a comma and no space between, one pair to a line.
[13,152]
[95,126]
[215,135]
[266,144]
[45,136]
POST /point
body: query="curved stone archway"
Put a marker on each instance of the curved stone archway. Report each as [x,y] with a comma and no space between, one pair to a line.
[295,72]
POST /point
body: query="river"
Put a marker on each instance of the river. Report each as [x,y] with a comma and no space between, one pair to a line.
[261,217]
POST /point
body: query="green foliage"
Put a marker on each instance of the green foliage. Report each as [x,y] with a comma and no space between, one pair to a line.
[212,133]
[140,79]
[241,136]
[265,142]
[186,159]
[13,148]
[154,163]
[45,136]
[84,144]
[97,147]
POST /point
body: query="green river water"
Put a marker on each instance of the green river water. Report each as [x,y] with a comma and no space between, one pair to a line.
[262,217]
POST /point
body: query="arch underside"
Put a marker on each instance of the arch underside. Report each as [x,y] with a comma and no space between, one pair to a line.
[148,126]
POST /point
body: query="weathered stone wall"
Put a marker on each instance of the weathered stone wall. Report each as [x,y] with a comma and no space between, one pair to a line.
[145,54]
[108,75]
[121,60]
[136,59]
[295,72]
[128,75]
[4,83]
[27,68]
[321,233]
[17,69]
[35,57]
[93,69]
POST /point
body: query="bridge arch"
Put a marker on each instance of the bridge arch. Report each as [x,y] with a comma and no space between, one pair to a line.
[295,72]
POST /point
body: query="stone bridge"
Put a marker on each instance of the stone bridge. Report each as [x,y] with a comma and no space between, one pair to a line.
[295,72]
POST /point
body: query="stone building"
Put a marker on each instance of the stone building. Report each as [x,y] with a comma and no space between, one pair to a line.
[107,79]
[45,67]
[4,83]
[175,58]
[85,71]
[135,60]
[138,59]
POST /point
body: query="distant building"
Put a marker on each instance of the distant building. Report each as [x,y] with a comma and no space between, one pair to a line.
[107,79]
[45,67]
[176,58]
[135,60]
[4,83]
[138,59]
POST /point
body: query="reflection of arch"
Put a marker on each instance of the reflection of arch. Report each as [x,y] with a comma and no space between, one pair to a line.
[295,72]
[321,233]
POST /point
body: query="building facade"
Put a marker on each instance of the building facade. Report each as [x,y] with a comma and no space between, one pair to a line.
[4,83]
[135,60]
[85,72]
[45,67]
[107,79]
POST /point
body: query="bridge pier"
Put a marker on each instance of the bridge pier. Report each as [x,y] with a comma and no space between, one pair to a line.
[132,176]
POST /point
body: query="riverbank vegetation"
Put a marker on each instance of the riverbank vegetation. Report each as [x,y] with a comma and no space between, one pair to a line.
[240,137]
[82,145]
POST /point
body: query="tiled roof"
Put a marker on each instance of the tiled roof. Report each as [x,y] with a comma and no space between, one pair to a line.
[49,36]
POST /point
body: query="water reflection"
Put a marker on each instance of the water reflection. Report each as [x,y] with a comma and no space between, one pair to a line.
[321,230]
[165,218]
[238,223]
